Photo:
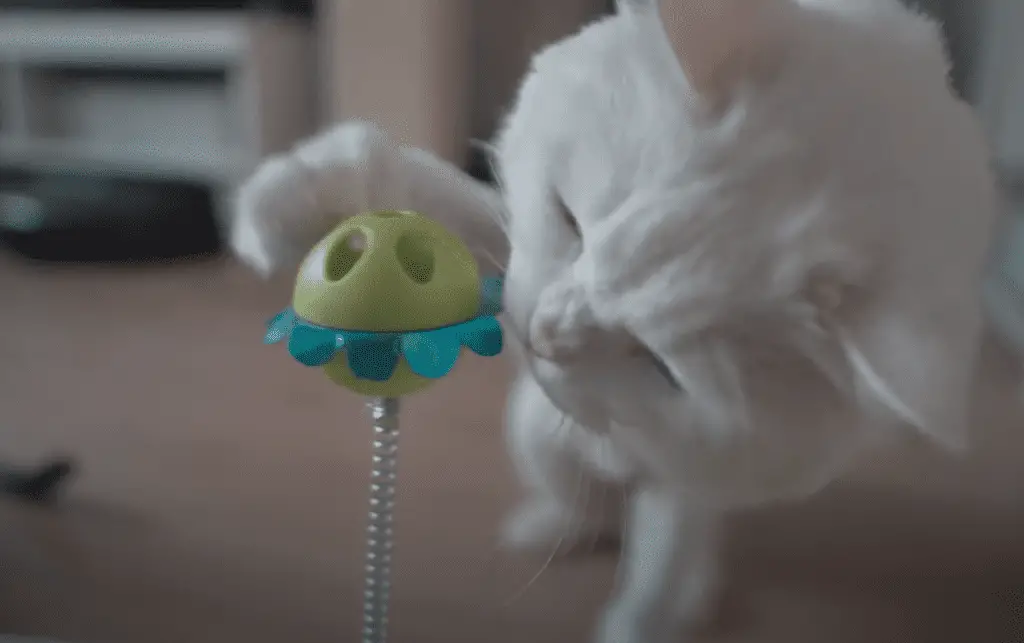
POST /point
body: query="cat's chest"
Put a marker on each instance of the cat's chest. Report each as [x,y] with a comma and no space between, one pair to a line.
[599,388]
[576,390]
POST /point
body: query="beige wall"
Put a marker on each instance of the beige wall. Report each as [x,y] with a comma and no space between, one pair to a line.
[435,72]
[403,63]
[506,34]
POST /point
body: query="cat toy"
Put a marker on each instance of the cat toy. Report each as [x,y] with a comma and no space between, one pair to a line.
[384,304]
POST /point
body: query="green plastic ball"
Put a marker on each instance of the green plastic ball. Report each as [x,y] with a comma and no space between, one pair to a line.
[387,272]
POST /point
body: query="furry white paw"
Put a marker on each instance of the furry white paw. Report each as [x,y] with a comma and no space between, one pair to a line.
[626,621]
[700,599]
[293,199]
[563,322]
[539,525]
[621,625]
[543,526]
[268,208]
[249,245]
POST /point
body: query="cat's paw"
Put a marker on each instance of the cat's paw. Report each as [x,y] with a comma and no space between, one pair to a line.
[544,527]
[293,199]
[540,526]
[699,602]
[274,203]
[626,620]
[563,323]
[620,625]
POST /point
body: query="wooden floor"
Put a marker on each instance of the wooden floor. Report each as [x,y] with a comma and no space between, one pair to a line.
[222,496]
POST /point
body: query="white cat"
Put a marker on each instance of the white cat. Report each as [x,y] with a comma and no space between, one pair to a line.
[743,244]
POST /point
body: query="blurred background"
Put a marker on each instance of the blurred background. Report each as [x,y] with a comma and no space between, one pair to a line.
[217,491]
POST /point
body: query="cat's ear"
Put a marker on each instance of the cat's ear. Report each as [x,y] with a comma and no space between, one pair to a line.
[912,356]
[718,41]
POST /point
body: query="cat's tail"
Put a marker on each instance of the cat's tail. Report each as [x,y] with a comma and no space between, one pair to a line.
[294,199]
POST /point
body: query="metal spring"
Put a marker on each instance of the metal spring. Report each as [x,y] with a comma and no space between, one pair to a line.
[377,590]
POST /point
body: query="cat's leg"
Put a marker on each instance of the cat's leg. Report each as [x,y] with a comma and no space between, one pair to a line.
[293,199]
[574,483]
[668,570]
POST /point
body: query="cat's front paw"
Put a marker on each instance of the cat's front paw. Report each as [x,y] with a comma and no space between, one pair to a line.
[539,525]
[563,323]
[292,200]
[626,620]
[620,625]
[264,210]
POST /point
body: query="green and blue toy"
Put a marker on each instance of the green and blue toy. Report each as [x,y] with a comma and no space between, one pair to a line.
[385,304]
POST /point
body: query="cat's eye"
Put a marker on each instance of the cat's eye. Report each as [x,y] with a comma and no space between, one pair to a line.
[567,216]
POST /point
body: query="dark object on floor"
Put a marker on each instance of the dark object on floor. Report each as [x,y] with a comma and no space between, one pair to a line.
[74,217]
[36,485]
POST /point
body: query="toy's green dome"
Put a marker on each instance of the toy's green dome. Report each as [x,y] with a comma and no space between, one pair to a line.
[388,272]
[386,303]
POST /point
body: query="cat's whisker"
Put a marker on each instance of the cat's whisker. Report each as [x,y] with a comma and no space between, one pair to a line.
[595,535]
[500,216]
[523,338]
[581,489]
[582,502]
[490,156]
[502,268]
[547,563]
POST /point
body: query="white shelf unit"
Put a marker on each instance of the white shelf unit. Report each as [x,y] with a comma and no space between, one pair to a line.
[174,95]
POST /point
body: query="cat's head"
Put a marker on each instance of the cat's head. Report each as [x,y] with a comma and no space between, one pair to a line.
[701,178]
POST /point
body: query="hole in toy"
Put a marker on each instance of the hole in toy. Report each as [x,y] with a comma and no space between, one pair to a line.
[416,254]
[344,254]
[388,214]
[356,242]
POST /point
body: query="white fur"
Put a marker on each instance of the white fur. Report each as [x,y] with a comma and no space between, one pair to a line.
[783,215]
[293,200]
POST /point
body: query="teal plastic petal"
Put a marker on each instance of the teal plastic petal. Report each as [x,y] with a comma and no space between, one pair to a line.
[433,353]
[372,357]
[280,326]
[490,296]
[483,336]
[312,346]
